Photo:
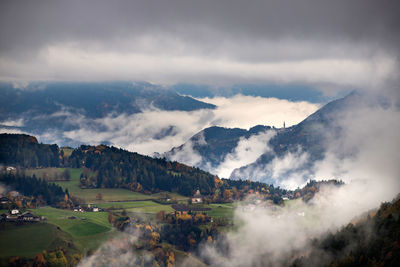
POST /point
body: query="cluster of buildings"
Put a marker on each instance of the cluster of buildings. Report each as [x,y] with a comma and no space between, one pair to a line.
[88,208]
[15,216]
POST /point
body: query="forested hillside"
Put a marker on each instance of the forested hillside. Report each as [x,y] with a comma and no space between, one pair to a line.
[110,167]
[113,167]
[24,151]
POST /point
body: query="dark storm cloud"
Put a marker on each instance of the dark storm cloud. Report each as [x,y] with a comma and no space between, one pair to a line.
[234,31]
[30,23]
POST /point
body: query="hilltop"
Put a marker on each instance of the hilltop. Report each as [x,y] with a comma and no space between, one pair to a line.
[213,144]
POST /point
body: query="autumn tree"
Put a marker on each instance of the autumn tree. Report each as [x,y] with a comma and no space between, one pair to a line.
[39,260]
[227,194]
[110,217]
[56,258]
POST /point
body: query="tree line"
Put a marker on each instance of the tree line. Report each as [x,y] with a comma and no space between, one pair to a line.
[31,186]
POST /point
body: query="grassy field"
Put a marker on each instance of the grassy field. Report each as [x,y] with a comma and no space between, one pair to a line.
[88,229]
[127,204]
[149,207]
[90,195]
[30,239]
[221,210]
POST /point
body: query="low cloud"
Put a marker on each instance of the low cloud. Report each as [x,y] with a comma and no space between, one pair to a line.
[274,237]
[187,153]
[147,132]
[119,251]
[247,151]
[290,171]
[157,131]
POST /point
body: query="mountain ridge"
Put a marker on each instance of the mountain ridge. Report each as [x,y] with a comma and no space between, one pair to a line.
[306,137]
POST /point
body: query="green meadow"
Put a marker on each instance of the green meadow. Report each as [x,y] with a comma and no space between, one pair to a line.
[30,239]
[221,210]
[149,207]
[88,229]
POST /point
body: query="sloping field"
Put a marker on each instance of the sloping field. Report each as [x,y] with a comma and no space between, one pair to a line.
[87,229]
[27,240]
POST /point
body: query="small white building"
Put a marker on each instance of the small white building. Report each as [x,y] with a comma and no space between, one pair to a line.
[95,209]
[197,198]
[11,169]
[14,211]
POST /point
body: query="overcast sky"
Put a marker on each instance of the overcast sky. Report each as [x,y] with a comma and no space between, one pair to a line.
[329,44]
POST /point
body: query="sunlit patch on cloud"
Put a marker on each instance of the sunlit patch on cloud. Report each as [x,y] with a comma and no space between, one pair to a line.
[11,130]
[248,111]
[13,123]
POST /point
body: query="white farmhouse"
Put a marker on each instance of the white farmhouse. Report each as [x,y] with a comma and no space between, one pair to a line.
[197,198]
[14,211]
